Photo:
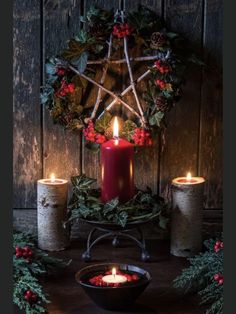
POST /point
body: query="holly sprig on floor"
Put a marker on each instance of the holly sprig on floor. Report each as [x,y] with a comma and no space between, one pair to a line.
[29,263]
[205,275]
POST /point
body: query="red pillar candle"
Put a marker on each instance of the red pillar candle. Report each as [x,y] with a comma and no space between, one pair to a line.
[117,161]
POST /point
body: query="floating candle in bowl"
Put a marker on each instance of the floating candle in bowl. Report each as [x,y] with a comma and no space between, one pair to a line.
[186,218]
[114,278]
[52,207]
[122,287]
[117,165]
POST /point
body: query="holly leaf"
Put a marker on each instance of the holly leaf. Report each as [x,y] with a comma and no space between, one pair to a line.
[128,129]
[156,118]
[81,62]
[103,123]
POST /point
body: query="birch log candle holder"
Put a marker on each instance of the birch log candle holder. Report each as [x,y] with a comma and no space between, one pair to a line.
[52,208]
[186,218]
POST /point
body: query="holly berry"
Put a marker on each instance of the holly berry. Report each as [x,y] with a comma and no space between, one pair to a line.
[162,67]
[91,135]
[142,137]
[24,252]
[30,296]
[219,278]
[60,71]
[218,245]
[122,30]
[65,89]
[161,84]
[221,281]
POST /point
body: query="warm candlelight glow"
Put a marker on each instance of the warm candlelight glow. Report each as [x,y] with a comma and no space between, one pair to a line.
[189,176]
[113,272]
[115,128]
[52,177]
[114,278]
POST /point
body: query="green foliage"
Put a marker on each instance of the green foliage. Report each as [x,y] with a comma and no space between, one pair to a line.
[85,203]
[199,276]
[128,130]
[103,123]
[149,37]
[26,273]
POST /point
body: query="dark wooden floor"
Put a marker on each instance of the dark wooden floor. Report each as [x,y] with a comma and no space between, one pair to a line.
[68,298]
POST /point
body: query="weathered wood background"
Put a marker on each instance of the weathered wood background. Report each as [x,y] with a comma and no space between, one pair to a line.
[193,140]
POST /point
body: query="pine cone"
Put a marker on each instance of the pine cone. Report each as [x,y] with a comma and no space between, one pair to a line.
[158,40]
[163,104]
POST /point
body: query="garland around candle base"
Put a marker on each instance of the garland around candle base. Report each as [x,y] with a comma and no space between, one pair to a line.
[71,75]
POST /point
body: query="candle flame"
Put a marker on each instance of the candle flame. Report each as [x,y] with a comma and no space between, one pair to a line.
[115,128]
[189,176]
[113,271]
[52,177]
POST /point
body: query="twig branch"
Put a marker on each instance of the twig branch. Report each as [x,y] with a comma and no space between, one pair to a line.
[119,100]
[131,77]
[136,59]
[104,73]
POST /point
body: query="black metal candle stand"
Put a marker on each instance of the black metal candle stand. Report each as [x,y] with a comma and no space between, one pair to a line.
[115,232]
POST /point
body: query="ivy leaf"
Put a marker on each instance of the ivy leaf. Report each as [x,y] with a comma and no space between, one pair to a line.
[103,123]
[156,118]
[82,37]
[81,62]
[172,35]
[94,147]
[50,68]
[128,129]
[82,182]
[111,205]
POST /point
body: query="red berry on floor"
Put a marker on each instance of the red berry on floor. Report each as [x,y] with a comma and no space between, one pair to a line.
[18,254]
[221,281]
[222,245]
[216,277]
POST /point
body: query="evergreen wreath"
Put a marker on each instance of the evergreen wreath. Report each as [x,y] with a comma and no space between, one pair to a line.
[165,53]
[29,263]
[85,203]
[205,274]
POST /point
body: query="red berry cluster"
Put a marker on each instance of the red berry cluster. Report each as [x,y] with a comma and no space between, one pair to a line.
[219,278]
[142,137]
[30,296]
[162,67]
[97,280]
[91,135]
[65,89]
[122,30]
[60,71]
[161,84]
[218,245]
[24,252]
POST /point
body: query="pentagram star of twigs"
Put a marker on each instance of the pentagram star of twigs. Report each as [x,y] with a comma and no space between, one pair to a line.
[131,87]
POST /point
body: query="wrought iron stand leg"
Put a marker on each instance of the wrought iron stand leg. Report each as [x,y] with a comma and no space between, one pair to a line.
[145,255]
[115,241]
[86,256]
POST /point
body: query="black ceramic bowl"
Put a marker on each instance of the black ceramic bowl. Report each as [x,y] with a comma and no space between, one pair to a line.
[113,298]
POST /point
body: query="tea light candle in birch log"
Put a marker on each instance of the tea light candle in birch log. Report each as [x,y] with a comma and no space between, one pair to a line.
[52,208]
[186,218]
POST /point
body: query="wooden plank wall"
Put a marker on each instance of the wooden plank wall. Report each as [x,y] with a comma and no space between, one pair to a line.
[193,139]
